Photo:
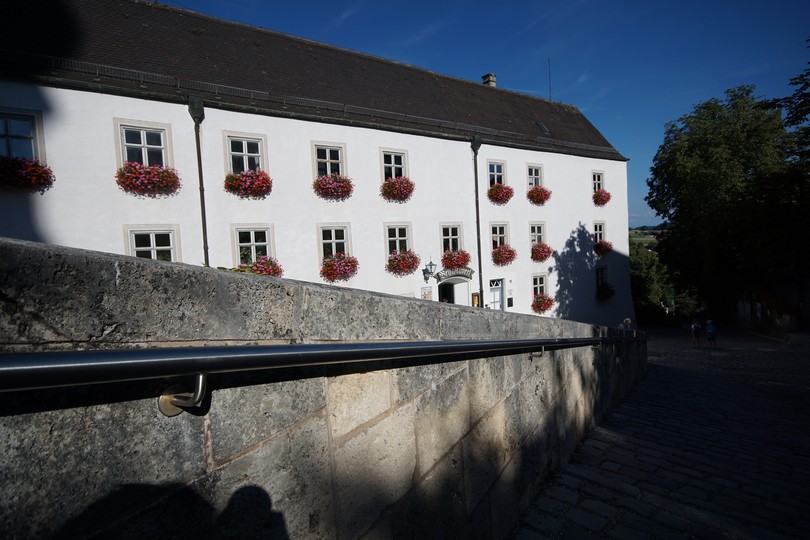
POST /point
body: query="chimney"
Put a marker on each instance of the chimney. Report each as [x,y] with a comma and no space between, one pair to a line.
[489,79]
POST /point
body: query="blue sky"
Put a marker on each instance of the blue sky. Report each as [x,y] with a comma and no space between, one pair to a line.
[630,66]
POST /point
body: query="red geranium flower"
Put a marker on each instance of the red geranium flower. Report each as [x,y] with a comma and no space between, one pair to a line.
[602,248]
[265,265]
[542,303]
[249,184]
[455,259]
[402,263]
[339,267]
[538,195]
[541,252]
[333,187]
[21,174]
[601,197]
[397,190]
[147,180]
[503,255]
[500,194]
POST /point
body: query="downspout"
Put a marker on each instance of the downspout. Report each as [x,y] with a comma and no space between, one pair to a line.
[196,109]
[476,144]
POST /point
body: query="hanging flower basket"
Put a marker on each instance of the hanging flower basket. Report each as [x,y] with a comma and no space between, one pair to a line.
[541,252]
[601,197]
[29,175]
[249,184]
[500,194]
[604,291]
[265,265]
[398,190]
[503,255]
[602,248]
[455,259]
[147,180]
[538,195]
[339,267]
[402,263]
[542,303]
[333,187]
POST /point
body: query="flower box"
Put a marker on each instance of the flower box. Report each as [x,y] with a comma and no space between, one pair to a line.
[500,194]
[402,263]
[604,291]
[601,197]
[339,267]
[542,303]
[541,252]
[602,248]
[147,180]
[398,190]
[265,265]
[538,195]
[21,174]
[249,184]
[455,259]
[503,255]
[333,187]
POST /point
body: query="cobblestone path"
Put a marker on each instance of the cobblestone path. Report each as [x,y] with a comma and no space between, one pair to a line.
[713,443]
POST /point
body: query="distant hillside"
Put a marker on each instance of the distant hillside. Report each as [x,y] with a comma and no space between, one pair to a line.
[646,228]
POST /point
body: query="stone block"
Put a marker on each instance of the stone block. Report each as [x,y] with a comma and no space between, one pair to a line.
[486,384]
[373,470]
[246,415]
[411,381]
[485,455]
[442,419]
[357,398]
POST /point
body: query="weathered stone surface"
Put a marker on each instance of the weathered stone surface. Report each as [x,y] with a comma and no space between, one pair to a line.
[357,398]
[373,470]
[409,382]
[244,416]
[442,419]
[486,384]
[485,454]
[57,463]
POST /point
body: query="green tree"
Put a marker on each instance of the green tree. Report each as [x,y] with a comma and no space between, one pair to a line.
[717,179]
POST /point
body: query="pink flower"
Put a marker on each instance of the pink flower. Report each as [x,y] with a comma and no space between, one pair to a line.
[541,252]
[339,267]
[147,180]
[402,263]
[538,195]
[333,187]
[455,259]
[249,184]
[601,197]
[397,190]
[263,265]
[542,303]
[602,247]
[503,255]
[500,194]
[20,174]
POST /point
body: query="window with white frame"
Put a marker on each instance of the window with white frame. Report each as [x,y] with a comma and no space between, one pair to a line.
[397,238]
[536,232]
[253,242]
[497,173]
[334,239]
[245,154]
[598,231]
[144,145]
[18,134]
[535,175]
[598,180]
[539,284]
[328,160]
[153,244]
[393,164]
[451,237]
[499,235]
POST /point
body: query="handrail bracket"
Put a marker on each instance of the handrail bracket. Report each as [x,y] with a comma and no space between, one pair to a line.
[177,398]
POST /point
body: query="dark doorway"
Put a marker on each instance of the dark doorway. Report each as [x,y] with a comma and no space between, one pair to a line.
[446,293]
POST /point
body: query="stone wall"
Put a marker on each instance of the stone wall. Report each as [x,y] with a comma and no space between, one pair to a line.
[395,449]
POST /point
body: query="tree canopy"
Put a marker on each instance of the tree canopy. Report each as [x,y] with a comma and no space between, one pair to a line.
[728,181]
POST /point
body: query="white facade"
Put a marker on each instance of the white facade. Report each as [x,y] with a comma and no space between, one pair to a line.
[79,138]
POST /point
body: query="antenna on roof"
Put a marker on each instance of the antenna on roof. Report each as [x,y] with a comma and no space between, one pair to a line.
[549,79]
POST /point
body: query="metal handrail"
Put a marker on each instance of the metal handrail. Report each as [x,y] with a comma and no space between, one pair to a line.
[29,371]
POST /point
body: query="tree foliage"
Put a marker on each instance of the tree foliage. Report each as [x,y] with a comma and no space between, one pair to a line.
[727,181]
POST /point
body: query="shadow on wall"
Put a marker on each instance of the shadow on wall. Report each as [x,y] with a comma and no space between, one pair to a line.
[57,35]
[183,514]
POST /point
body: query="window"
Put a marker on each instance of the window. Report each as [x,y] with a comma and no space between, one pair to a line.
[328,160]
[536,231]
[145,146]
[451,238]
[598,180]
[539,284]
[499,237]
[153,244]
[397,238]
[535,175]
[334,239]
[252,242]
[393,164]
[245,154]
[496,173]
[598,231]
[18,135]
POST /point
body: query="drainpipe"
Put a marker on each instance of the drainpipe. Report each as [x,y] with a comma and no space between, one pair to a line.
[197,111]
[476,144]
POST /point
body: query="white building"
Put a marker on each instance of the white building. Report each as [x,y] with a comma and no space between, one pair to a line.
[120,78]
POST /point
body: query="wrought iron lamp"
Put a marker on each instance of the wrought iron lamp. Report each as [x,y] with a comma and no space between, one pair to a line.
[428,270]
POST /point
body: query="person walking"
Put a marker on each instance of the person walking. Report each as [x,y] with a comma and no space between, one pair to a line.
[695,333]
[711,334]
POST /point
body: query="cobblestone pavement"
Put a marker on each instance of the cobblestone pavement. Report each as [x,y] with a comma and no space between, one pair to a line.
[713,443]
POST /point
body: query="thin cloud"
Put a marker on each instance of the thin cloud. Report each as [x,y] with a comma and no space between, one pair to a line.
[430,30]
